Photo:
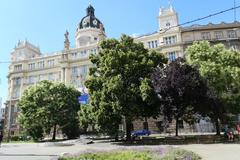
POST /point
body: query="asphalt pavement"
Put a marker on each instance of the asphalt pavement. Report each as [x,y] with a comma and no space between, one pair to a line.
[51,151]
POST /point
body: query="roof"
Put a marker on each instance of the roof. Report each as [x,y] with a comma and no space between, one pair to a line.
[221,25]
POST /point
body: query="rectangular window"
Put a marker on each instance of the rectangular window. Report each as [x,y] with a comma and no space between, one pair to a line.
[83,53]
[160,126]
[156,43]
[17,81]
[41,64]
[74,55]
[31,66]
[18,67]
[172,56]
[180,124]
[83,69]
[206,35]
[31,80]
[40,77]
[218,34]
[170,40]
[235,47]
[15,109]
[153,44]
[95,51]
[16,92]
[232,34]
[51,77]
[51,63]
[13,122]
[74,71]
[149,44]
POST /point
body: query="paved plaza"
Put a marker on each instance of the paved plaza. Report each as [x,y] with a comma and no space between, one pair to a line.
[47,151]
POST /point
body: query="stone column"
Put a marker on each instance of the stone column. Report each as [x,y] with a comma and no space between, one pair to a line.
[63,75]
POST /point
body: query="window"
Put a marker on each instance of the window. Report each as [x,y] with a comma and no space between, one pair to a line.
[149,44]
[16,92]
[180,124]
[232,34]
[74,71]
[170,40]
[172,56]
[41,64]
[83,53]
[160,126]
[153,44]
[206,35]
[31,66]
[15,109]
[17,81]
[51,63]
[74,55]
[31,80]
[95,51]
[234,47]
[219,35]
[41,77]
[51,77]
[156,43]
[168,24]
[18,67]
[13,121]
[84,69]
[145,125]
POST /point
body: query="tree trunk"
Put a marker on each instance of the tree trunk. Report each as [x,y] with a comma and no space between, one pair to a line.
[177,126]
[116,137]
[217,127]
[145,123]
[54,132]
[128,129]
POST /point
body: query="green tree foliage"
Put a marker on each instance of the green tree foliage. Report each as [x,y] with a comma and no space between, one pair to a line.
[48,105]
[221,68]
[119,83]
[180,89]
[87,117]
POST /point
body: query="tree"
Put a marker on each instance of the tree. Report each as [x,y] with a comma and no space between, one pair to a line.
[87,117]
[47,105]
[180,88]
[221,68]
[118,82]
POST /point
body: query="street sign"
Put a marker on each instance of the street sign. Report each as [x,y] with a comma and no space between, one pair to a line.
[83,99]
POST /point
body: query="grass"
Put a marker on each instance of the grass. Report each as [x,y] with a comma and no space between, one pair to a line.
[175,154]
[124,155]
[18,142]
[181,154]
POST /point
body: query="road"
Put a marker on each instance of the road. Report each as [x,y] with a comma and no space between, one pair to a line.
[43,151]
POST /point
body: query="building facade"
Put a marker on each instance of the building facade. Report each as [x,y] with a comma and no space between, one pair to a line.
[71,65]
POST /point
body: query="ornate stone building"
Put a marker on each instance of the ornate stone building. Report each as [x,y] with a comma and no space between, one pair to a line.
[168,38]
[29,66]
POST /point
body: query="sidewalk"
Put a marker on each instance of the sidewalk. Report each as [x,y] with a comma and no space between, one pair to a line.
[215,151]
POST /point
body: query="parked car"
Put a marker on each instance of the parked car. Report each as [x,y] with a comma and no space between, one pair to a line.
[140,133]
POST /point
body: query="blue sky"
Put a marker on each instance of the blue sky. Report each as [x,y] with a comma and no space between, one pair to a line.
[44,22]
